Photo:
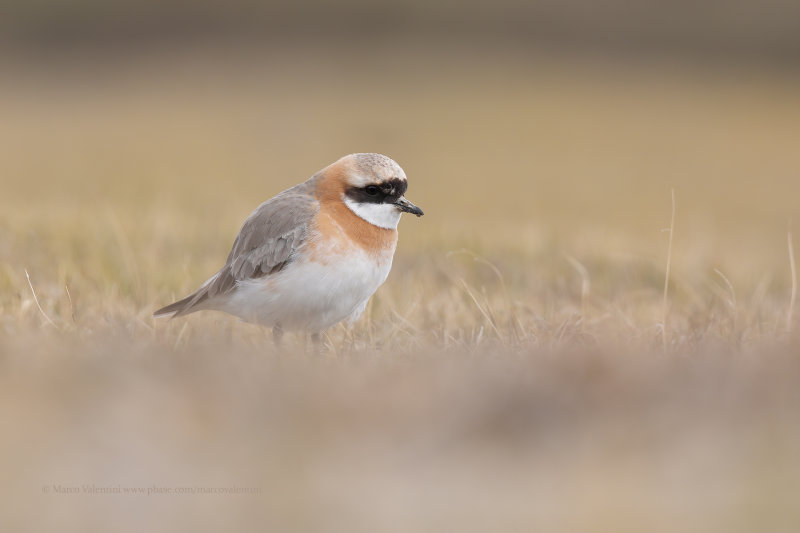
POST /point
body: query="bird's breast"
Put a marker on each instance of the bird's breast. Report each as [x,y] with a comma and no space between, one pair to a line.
[337,231]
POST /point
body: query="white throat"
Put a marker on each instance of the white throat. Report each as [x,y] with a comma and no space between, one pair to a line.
[382,215]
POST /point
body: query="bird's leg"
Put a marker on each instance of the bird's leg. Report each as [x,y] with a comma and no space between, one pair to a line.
[351,338]
[316,343]
[277,335]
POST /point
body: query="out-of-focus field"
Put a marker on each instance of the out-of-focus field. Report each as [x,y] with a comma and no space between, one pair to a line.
[515,371]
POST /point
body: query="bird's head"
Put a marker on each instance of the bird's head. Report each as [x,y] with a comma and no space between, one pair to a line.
[372,187]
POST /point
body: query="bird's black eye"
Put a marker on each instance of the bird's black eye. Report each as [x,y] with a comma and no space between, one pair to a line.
[372,190]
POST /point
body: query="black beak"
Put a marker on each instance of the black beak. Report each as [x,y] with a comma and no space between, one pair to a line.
[404,205]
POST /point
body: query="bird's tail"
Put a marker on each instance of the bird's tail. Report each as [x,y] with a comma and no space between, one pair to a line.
[181,307]
[187,305]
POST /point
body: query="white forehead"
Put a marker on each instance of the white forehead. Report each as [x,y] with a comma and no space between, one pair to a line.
[372,168]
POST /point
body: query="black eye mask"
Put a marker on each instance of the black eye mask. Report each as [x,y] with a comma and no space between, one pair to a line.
[387,192]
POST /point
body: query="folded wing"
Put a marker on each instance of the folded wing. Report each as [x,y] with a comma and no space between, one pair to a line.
[267,242]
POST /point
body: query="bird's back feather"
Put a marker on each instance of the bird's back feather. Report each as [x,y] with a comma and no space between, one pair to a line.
[265,244]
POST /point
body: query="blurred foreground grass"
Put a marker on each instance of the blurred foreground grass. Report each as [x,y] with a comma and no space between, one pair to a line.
[513,373]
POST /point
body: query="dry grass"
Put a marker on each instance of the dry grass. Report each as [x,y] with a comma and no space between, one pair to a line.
[516,371]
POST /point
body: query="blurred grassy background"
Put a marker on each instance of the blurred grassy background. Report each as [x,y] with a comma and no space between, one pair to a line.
[514,372]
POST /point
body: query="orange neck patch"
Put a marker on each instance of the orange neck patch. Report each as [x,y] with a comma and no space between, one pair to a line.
[333,212]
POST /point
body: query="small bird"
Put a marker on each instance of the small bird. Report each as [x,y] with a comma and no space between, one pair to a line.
[313,255]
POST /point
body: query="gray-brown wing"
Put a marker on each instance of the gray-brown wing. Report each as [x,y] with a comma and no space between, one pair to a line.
[266,243]
[270,235]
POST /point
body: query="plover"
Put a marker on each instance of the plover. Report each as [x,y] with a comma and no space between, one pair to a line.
[313,255]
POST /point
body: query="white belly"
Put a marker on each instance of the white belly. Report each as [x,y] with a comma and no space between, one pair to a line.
[309,295]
